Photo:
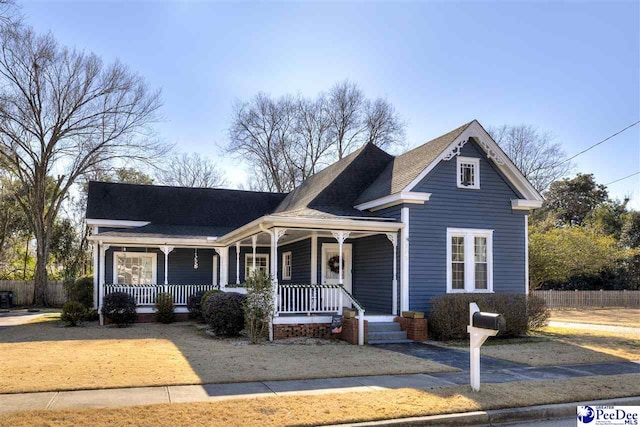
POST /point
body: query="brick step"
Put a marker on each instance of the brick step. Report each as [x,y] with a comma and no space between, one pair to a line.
[384,326]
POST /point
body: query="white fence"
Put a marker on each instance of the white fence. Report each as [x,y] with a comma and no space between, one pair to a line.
[587,299]
[147,294]
[23,292]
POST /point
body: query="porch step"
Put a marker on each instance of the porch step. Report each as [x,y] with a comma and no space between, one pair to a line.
[384,327]
[386,333]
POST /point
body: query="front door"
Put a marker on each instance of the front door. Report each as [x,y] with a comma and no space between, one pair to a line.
[330,265]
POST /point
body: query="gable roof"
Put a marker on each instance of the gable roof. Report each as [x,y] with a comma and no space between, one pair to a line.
[408,169]
[405,167]
[334,190]
[203,207]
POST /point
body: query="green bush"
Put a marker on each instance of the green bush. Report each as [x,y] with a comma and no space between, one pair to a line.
[207,295]
[449,314]
[73,313]
[224,312]
[80,290]
[164,308]
[92,315]
[120,308]
[193,305]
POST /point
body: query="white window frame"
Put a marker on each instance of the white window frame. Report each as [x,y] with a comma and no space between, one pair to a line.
[469,235]
[286,255]
[154,265]
[476,172]
[248,265]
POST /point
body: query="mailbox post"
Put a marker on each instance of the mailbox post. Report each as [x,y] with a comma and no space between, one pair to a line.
[481,326]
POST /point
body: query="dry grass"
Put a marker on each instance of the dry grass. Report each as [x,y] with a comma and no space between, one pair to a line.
[610,316]
[332,408]
[563,346]
[47,356]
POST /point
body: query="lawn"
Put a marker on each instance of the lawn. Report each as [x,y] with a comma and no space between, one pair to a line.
[563,346]
[334,408]
[609,316]
[47,356]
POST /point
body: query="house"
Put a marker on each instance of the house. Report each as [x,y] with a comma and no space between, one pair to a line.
[382,234]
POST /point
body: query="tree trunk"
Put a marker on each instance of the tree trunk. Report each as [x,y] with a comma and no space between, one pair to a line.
[41,275]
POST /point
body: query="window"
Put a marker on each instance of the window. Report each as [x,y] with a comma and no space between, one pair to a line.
[469,260]
[468,172]
[134,268]
[286,266]
[262,264]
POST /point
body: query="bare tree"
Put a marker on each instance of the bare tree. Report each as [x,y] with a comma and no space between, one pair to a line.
[63,113]
[190,170]
[382,125]
[257,132]
[533,152]
[346,102]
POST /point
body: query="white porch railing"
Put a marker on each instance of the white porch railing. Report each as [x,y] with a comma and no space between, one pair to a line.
[147,294]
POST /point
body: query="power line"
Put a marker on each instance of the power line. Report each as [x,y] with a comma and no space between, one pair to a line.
[628,176]
[596,144]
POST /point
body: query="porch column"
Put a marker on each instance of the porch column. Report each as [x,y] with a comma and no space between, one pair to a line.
[166,250]
[314,258]
[96,269]
[393,238]
[340,236]
[238,263]
[276,234]
[103,250]
[254,243]
[224,266]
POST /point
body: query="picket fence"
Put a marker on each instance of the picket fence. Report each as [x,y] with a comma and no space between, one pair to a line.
[586,299]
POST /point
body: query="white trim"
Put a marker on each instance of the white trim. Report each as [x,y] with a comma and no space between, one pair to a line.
[154,265]
[404,261]
[284,265]
[526,254]
[96,269]
[314,258]
[525,205]
[258,256]
[214,270]
[403,197]
[469,259]
[507,167]
[473,161]
[117,223]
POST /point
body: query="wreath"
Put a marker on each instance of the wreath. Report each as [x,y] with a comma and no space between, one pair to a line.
[334,264]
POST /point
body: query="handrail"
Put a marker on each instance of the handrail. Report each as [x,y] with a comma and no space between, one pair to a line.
[353,299]
[294,285]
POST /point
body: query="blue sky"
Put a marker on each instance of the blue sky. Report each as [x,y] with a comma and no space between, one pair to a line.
[572,68]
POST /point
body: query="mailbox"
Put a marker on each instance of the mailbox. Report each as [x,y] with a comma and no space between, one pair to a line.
[493,321]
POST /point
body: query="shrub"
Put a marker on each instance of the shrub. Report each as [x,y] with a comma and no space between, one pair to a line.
[92,315]
[164,308]
[224,313]
[258,305]
[120,308]
[449,314]
[73,313]
[80,290]
[207,295]
[193,305]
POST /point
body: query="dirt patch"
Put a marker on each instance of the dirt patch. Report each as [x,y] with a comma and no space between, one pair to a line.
[342,408]
[48,356]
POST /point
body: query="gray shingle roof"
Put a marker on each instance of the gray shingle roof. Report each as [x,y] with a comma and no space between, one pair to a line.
[406,167]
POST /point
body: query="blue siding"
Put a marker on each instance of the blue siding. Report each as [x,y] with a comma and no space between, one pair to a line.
[181,269]
[449,206]
[300,263]
[373,273]
[395,213]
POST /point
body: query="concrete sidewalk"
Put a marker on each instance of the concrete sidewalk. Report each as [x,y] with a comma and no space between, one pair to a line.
[214,392]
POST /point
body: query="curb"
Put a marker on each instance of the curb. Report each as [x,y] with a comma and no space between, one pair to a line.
[500,416]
